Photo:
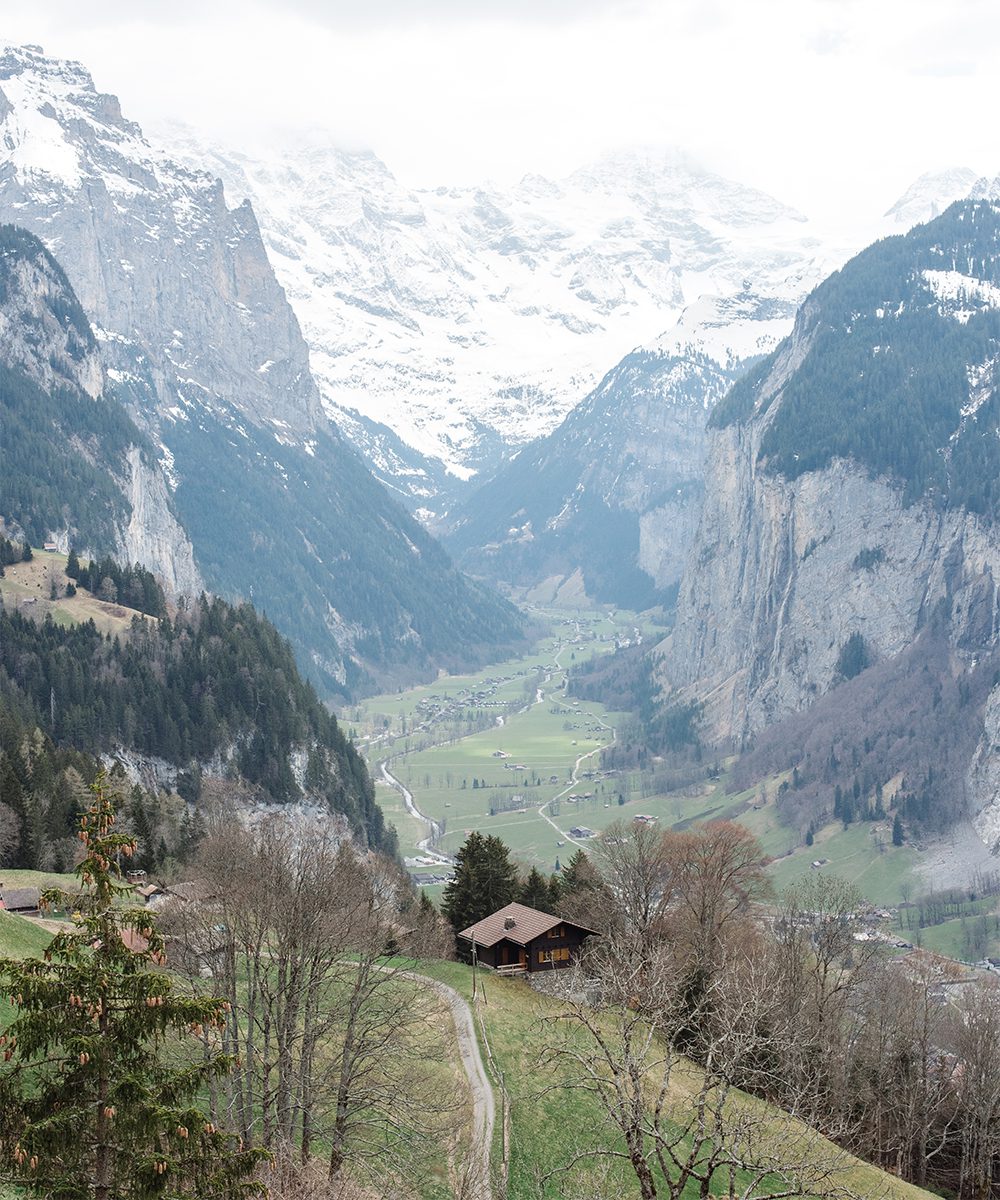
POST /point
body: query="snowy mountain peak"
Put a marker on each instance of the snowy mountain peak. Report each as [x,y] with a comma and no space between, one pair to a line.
[930,195]
[986,189]
[470,320]
[673,179]
[730,329]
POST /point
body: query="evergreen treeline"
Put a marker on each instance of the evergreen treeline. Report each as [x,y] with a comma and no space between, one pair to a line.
[13,552]
[885,378]
[133,585]
[216,681]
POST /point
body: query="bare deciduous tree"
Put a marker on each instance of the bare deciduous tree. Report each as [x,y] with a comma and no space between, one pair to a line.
[295,928]
[635,861]
[979,1089]
[679,1126]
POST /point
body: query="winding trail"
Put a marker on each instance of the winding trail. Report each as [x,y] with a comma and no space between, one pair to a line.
[574,780]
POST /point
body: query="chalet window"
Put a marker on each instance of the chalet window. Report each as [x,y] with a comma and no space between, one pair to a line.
[557,932]
[557,954]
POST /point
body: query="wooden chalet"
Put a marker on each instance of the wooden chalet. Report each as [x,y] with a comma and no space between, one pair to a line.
[517,938]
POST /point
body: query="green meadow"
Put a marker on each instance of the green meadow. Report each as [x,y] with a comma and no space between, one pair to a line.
[482,751]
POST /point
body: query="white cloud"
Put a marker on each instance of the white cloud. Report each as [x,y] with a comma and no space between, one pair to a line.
[835,103]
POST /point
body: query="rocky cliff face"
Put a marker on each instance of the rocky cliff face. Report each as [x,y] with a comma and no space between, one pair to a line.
[153,536]
[850,493]
[160,264]
[205,351]
[46,341]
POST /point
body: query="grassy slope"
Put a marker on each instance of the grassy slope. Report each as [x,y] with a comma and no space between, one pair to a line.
[546,1125]
[32,581]
[21,937]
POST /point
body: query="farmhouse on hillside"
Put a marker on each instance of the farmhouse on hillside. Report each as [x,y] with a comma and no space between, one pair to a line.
[517,938]
[20,900]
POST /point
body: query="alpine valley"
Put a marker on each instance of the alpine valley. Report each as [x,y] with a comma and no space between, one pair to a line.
[806,468]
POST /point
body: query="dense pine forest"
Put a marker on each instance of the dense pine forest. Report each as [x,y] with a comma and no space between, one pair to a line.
[214,683]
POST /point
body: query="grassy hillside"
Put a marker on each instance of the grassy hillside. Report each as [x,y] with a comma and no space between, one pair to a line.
[547,1121]
[548,1124]
[32,582]
[21,937]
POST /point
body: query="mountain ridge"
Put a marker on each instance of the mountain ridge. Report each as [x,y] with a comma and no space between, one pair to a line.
[207,356]
[806,572]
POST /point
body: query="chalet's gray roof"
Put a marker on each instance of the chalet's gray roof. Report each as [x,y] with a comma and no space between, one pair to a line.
[19,898]
[528,924]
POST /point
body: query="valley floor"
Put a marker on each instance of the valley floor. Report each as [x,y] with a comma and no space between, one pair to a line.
[506,751]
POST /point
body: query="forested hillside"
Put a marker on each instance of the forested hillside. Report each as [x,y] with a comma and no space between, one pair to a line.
[898,371]
[214,689]
[363,591]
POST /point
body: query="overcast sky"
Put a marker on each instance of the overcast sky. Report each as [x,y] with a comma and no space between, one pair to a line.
[825,103]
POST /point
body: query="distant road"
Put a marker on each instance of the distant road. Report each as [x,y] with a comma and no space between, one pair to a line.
[424,846]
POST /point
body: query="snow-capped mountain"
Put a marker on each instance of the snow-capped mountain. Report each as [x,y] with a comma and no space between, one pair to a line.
[206,352]
[609,500]
[470,321]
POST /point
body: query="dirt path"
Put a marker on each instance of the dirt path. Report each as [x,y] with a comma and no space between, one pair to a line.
[477,1182]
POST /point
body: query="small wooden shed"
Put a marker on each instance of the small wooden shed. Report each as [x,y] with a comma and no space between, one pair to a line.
[518,938]
[20,900]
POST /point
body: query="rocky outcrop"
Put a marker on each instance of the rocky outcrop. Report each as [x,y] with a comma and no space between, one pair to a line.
[45,338]
[471,321]
[153,535]
[799,578]
[984,776]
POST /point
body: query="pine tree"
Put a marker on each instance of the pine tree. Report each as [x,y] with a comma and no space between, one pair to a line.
[897,831]
[97,1100]
[484,880]
[535,891]
[579,874]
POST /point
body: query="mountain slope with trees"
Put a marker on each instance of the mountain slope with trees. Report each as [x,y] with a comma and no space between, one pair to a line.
[849,520]
[213,691]
[208,358]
